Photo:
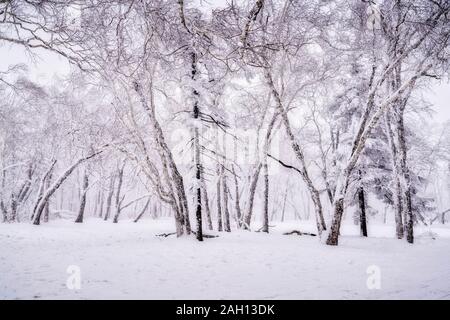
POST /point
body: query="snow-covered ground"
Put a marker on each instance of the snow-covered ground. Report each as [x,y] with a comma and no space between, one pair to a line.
[127,261]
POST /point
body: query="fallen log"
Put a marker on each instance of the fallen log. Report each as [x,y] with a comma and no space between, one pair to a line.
[165,235]
[299,233]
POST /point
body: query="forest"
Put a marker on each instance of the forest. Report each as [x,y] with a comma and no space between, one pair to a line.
[205,119]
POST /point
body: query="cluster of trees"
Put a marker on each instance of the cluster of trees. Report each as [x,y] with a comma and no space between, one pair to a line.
[176,108]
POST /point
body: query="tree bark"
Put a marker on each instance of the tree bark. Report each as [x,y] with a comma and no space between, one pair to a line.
[41,188]
[362,211]
[14,205]
[405,179]
[118,200]
[225,190]
[237,205]
[47,206]
[197,160]
[284,205]
[443,216]
[265,226]
[398,200]
[336,222]
[219,198]
[226,211]
[139,216]
[84,190]
[253,185]
[206,203]
[112,183]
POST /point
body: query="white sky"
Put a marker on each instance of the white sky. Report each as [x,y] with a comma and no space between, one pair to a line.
[439,96]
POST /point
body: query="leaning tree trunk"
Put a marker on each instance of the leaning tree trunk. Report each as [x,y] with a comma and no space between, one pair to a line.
[56,185]
[284,205]
[314,193]
[251,196]
[84,190]
[139,216]
[41,188]
[181,208]
[18,199]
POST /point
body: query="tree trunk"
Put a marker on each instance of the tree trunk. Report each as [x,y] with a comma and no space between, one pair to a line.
[96,203]
[102,201]
[109,198]
[225,203]
[4,211]
[41,188]
[237,199]
[13,207]
[197,160]
[142,211]
[84,190]
[265,226]
[253,185]
[362,211]
[284,205]
[336,222]
[398,200]
[2,203]
[405,177]
[47,206]
[118,201]
[225,190]
[206,203]
[219,199]
[18,199]
[443,216]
